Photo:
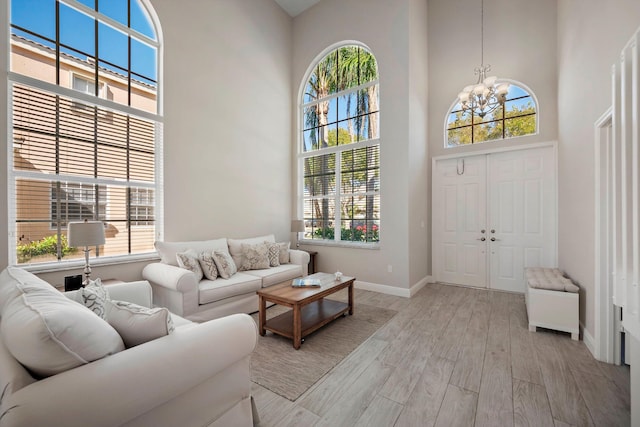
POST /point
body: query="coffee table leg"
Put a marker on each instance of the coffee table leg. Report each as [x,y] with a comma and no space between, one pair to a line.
[351,299]
[262,316]
[297,327]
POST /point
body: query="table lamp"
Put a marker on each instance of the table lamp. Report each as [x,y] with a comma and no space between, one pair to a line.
[86,233]
[297,226]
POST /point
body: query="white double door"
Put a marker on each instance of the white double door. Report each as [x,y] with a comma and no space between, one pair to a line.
[494,215]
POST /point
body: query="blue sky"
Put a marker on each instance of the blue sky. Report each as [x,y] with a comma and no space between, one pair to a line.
[77,31]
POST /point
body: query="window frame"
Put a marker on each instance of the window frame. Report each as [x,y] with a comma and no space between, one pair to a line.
[104,107]
[523,87]
[336,150]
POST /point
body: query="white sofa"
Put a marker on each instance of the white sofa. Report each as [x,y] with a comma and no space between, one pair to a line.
[198,375]
[200,300]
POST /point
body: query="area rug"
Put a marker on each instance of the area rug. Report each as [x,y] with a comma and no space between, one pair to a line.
[276,365]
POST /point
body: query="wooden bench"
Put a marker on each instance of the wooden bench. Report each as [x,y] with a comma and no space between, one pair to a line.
[552,301]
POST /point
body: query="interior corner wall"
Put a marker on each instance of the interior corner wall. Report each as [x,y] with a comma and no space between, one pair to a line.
[382,25]
[419,166]
[227,118]
[4,95]
[591,35]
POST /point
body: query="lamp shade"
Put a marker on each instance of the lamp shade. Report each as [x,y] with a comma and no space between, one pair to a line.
[297,226]
[87,233]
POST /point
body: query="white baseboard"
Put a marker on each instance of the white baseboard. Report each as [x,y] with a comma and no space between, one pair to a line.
[588,340]
[383,289]
[392,290]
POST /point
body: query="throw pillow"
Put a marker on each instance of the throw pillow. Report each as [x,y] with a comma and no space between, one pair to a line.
[189,261]
[284,252]
[137,324]
[208,265]
[94,296]
[273,254]
[47,332]
[255,257]
[225,264]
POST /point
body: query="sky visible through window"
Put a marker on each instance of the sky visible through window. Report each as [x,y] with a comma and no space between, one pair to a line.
[77,30]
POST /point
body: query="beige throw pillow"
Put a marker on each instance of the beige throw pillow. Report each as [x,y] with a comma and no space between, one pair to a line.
[273,254]
[137,324]
[189,260]
[255,257]
[224,263]
[208,265]
[284,252]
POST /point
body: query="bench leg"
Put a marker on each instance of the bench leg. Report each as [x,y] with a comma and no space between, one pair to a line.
[532,328]
[575,336]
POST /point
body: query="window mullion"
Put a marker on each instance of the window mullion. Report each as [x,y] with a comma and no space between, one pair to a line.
[337,209]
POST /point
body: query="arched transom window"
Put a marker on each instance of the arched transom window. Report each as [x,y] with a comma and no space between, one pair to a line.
[339,154]
[518,117]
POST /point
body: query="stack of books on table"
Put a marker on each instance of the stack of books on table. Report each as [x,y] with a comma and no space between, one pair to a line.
[306,283]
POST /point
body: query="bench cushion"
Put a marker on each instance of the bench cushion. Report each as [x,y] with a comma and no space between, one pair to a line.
[274,275]
[238,284]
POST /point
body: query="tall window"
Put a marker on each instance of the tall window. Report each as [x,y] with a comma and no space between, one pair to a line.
[340,148]
[518,117]
[86,129]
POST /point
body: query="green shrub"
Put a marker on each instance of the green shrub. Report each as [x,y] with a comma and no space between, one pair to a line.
[45,246]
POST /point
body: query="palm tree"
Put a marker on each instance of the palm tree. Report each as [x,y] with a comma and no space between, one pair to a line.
[344,68]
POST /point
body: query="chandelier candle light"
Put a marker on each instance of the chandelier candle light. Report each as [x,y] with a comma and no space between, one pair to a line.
[86,233]
[486,95]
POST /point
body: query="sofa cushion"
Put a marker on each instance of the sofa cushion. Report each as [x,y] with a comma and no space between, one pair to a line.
[275,275]
[168,250]
[137,324]
[255,257]
[224,263]
[189,261]
[47,332]
[241,283]
[235,246]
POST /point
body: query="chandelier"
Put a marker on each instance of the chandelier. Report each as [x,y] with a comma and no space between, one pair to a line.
[486,95]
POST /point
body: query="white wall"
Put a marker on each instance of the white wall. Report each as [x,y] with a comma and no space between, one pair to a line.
[419,165]
[519,44]
[4,65]
[384,26]
[591,35]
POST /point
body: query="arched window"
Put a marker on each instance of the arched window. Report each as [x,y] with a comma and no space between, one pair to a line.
[518,117]
[86,126]
[339,154]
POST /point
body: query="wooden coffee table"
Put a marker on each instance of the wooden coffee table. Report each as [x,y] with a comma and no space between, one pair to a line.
[309,308]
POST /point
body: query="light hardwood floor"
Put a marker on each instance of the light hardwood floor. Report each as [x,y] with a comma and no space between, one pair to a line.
[455,356]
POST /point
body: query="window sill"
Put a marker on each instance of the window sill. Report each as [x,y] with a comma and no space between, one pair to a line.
[50,267]
[341,244]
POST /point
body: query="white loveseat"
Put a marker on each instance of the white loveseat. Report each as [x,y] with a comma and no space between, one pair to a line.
[200,300]
[198,375]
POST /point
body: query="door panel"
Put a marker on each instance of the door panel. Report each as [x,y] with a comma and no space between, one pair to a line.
[459,213]
[523,214]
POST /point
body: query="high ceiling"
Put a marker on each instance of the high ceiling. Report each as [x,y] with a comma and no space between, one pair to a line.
[296,7]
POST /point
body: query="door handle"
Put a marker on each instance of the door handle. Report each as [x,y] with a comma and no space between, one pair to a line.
[493,239]
[482,239]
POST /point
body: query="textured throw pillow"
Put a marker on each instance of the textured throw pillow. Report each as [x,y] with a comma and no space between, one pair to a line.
[273,254]
[137,324]
[94,296]
[189,261]
[225,264]
[284,252]
[208,265]
[255,257]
